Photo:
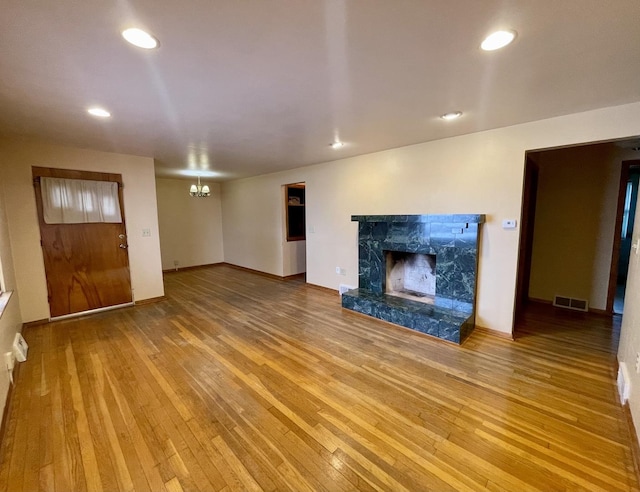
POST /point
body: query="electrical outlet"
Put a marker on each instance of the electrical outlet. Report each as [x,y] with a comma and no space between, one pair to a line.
[638,362]
[146,232]
[341,271]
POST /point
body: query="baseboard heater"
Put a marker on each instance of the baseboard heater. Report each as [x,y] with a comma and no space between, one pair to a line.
[571,303]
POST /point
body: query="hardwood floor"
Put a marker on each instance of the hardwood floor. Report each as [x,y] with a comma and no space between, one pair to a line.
[241,382]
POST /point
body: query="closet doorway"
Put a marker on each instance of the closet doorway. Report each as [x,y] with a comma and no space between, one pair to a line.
[294,250]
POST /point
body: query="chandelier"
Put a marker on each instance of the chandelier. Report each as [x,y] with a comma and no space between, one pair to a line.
[199,190]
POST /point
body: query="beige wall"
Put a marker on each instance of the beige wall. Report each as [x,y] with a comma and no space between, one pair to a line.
[294,257]
[253,222]
[190,228]
[476,173]
[17,156]
[10,320]
[575,221]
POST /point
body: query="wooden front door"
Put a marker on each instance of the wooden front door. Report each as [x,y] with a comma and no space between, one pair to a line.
[87,265]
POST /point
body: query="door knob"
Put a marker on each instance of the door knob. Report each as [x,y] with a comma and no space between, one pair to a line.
[123,246]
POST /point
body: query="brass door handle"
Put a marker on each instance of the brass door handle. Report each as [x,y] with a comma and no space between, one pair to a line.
[123,246]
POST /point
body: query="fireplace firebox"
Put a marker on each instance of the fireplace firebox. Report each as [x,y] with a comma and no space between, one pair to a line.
[436,293]
[411,276]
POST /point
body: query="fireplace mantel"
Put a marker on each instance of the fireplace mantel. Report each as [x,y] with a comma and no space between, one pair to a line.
[453,239]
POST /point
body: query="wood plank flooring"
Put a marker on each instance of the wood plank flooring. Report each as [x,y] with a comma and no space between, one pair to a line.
[242,382]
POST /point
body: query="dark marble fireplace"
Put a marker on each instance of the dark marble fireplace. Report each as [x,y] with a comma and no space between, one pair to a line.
[443,249]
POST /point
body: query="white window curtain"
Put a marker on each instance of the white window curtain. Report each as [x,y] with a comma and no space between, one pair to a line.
[79,201]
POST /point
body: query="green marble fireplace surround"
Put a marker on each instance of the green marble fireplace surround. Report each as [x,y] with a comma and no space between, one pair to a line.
[449,313]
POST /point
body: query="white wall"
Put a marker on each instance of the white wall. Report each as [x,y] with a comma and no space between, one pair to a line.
[10,319]
[629,346]
[17,156]
[476,173]
[190,228]
[574,224]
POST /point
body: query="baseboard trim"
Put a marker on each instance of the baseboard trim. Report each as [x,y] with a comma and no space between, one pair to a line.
[37,322]
[194,267]
[323,289]
[494,333]
[251,270]
[151,300]
[264,274]
[237,267]
[7,405]
[297,276]
[635,446]
[600,312]
[141,302]
[539,301]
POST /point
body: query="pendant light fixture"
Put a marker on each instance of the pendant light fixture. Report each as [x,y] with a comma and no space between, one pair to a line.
[199,190]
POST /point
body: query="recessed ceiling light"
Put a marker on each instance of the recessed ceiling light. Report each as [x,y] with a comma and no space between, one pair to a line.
[99,112]
[451,116]
[336,145]
[497,40]
[140,38]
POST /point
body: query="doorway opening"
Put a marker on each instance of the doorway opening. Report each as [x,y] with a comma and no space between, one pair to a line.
[294,249]
[628,199]
[572,242]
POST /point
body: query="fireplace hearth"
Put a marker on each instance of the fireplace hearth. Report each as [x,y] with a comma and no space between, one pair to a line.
[418,271]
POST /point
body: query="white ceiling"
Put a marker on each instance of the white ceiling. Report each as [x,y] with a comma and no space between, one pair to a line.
[246,87]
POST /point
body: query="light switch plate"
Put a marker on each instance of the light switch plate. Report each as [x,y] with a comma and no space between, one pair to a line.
[509,223]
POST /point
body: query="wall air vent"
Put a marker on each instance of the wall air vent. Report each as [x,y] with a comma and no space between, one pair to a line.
[571,303]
